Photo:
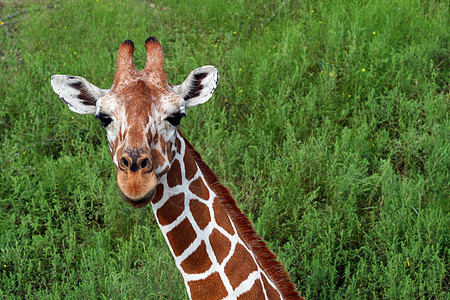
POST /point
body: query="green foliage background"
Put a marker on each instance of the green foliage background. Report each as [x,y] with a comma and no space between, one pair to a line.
[330,126]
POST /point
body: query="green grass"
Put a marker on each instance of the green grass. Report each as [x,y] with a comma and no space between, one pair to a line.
[330,126]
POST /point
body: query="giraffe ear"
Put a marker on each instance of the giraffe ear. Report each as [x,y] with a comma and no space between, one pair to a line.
[198,86]
[77,93]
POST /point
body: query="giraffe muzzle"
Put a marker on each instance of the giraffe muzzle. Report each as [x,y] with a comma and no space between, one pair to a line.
[136,178]
[135,162]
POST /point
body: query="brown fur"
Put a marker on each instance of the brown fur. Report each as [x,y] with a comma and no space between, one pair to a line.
[158,193]
[190,167]
[136,185]
[221,216]
[170,211]
[125,66]
[240,265]
[197,262]
[198,188]
[157,158]
[211,285]
[200,212]
[155,60]
[253,292]
[181,237]
[174,174]
[220,244]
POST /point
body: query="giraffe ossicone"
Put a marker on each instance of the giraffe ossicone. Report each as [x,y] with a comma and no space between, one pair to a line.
[213,243]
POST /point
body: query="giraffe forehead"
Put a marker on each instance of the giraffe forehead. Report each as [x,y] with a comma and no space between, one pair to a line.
[137,98]
[138,102]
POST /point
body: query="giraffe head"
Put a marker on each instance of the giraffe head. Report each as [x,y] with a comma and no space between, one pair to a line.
[140,113]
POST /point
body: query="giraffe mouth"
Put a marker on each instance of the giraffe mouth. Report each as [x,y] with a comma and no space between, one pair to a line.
[141,202]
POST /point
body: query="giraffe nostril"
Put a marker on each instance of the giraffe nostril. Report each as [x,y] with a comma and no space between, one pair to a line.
[145,163]
[124,162]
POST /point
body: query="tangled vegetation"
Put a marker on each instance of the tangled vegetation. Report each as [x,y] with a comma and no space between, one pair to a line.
[330,126]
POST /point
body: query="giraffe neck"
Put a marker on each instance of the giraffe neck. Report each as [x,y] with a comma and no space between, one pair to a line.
[214,245]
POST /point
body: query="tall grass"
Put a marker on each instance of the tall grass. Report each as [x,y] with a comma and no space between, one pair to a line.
[330,126]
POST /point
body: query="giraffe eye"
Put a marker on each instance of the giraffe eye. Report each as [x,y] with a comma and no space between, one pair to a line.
[104,119]
[175,119]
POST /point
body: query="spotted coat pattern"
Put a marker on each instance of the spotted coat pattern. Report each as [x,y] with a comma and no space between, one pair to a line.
[212,257]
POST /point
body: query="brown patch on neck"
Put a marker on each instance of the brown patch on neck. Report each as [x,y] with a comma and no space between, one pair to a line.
[256,292]
[221,216]
[240,265]
[220,244]
[174,176]
[159,192]
[198,261]
[170,211]
[181,237]
[266,259]
[178,145]
[200,212]
[204,288]
[190,167]
[199,188]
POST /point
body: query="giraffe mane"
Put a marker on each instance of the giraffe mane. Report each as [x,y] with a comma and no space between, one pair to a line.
[264,255]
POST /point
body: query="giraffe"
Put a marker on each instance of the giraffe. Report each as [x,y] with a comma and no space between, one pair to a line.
[213,243]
